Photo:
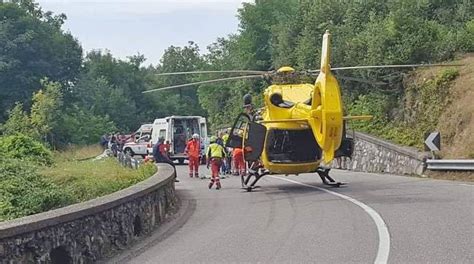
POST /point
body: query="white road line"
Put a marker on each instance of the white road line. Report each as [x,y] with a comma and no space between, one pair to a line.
[384,235]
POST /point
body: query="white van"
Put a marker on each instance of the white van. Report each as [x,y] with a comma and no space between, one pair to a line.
[178,130]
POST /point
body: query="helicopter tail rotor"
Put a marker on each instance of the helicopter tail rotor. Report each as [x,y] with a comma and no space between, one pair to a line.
[326,109]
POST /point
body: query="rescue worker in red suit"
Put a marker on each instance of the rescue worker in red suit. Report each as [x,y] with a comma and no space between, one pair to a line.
[215,154]
[193,149]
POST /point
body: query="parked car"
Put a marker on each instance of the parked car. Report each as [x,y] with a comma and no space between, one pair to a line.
[137,147]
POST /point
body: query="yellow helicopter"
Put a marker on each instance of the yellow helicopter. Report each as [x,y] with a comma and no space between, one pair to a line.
[301,125]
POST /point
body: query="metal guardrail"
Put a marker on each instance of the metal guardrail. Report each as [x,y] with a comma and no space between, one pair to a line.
[127,161]
[455,165]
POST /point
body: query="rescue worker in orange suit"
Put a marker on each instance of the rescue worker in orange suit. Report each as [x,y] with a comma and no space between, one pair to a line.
[239,163]
[215,154]
[193,149]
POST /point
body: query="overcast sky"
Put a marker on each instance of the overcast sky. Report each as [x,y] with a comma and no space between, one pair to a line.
[148,27]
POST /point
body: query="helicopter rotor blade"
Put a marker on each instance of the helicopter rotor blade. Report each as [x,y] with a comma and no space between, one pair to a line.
[359,80]
[389,66]
[205,82]
[395,66]
[208,72]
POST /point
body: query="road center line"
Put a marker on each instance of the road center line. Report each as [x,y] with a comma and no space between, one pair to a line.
[384,235]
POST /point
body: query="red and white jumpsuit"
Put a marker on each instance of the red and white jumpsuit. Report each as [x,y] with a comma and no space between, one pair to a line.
[193,149]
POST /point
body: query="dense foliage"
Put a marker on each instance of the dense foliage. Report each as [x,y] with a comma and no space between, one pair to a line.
[24,148]
[23,191]
[33,47]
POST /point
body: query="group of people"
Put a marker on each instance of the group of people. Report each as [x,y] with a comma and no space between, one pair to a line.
[218,157]
[114,142]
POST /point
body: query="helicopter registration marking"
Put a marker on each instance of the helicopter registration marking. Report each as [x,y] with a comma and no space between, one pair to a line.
[384,236]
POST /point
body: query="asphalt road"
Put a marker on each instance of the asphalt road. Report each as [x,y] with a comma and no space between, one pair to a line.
[296,219]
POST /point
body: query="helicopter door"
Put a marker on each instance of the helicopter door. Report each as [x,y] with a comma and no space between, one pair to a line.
[235,135]
[254,141]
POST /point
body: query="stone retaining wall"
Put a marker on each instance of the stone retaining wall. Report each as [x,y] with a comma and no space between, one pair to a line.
[372,154]
[89,231]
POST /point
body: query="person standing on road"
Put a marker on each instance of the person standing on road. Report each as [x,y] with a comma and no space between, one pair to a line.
[215,154]
[160,158]
[193,149]
[228,159]
[239,162]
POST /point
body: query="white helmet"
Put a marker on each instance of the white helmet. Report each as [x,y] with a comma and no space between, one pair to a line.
[196,136]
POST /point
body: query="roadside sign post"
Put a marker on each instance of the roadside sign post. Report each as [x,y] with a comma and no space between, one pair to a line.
[433,142]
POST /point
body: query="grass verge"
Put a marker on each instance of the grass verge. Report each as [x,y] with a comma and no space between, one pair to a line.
[78,153]
[27,188]
[90,179]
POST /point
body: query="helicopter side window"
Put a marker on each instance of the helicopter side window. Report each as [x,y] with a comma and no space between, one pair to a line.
[237,132]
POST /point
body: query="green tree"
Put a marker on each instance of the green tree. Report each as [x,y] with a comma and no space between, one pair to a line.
[18,122]
[82,127]
[184,101]
[46,110]
[113,87]
[33,47]
[44,118]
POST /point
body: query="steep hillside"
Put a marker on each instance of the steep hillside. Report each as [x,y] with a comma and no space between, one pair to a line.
[456,123]
[442,99]
[434,99]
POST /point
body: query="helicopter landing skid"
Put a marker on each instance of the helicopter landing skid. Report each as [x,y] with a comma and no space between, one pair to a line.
[246,179]
[328,180]
[249,188]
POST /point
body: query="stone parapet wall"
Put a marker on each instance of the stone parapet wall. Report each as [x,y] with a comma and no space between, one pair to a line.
[372,154]
[92,230]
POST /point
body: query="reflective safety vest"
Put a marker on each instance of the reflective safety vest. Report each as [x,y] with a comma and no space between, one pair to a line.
[215,151]
[225,138]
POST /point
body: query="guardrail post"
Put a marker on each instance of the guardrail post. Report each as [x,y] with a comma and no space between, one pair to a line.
[127,161]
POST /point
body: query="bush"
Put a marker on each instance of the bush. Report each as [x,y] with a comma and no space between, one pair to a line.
[375,104]
[24,192]
[25,148]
